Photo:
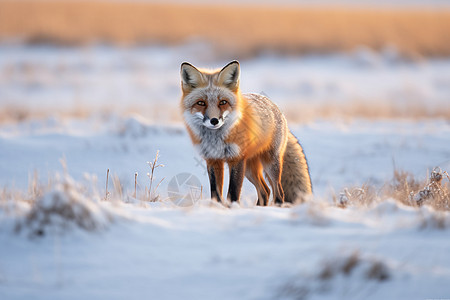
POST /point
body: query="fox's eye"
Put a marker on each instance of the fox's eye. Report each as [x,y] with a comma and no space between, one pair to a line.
[201,103]
[223,102]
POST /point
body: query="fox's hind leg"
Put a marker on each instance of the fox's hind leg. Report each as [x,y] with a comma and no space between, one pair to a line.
[273,169]
[254,173]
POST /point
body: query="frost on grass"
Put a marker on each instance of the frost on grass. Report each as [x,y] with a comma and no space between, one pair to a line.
[404,188]
[150,193]
[435,192]
[345,274]
[67,205]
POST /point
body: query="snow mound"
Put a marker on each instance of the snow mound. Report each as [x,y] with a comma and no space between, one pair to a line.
[65,207]
[385,215]
[137,126]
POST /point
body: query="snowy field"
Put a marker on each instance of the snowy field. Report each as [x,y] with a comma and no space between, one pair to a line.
[46,80]
[79,105]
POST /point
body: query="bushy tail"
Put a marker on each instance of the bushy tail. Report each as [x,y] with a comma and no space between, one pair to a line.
[295,178]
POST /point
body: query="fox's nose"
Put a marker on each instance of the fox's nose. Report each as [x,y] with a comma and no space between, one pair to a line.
[214,121]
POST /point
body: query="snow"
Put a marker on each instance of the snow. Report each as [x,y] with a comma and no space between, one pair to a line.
[104,79]
[159,250]
[162,251]
[205,252]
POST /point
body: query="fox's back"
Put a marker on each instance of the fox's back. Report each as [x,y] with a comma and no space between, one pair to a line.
[268,125]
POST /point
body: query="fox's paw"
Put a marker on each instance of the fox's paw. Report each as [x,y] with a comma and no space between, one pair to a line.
[282,204]
[234,205]
[216,204]
[286,205]
[277,203]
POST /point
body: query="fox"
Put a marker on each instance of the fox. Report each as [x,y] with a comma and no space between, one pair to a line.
[248,132]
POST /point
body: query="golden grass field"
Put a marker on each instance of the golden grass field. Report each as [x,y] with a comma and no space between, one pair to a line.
[243,30]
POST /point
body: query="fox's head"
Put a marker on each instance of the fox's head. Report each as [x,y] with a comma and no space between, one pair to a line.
[210,98]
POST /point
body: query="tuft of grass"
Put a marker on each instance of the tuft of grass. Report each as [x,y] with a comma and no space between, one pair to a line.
[436,193]
[150,193]
[378,271]
[64,203]
[403,187]
[364,195]
[332,272]
[344,265]
[61,206]
[350,263]
[372,268]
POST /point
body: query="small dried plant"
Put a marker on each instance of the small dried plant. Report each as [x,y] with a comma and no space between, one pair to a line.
[151,191]
[401,186]
[435,192]
[106,186]
[364,195]
[151,194]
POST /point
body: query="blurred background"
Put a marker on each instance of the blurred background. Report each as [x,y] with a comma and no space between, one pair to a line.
[316,59]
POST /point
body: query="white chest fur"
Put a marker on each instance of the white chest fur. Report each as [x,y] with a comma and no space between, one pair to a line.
[212,141]
[213,147]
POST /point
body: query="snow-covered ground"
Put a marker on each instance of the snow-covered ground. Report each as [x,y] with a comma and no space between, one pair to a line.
[133,249]
[261,253]
[340,154]
[162,251]
[78,81]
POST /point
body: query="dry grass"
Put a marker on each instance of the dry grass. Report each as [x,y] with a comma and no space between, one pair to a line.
[64,204]
[151,194]
[237,30]
[141,195]
[434,192]
[350,267]
[56,207]
[296,113]
[375,269]
[21,113]
[371,110]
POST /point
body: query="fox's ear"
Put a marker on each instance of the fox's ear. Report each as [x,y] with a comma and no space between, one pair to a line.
[191,77]
[229,75]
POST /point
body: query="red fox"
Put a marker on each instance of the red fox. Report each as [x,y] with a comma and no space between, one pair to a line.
[246,131]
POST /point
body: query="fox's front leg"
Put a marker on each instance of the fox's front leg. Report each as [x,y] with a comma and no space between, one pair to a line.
[237,172]
[215,174]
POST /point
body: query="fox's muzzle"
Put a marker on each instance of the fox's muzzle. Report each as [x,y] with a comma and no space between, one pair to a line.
[213,123]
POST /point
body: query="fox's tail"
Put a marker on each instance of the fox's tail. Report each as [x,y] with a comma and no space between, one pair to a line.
[295,178]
